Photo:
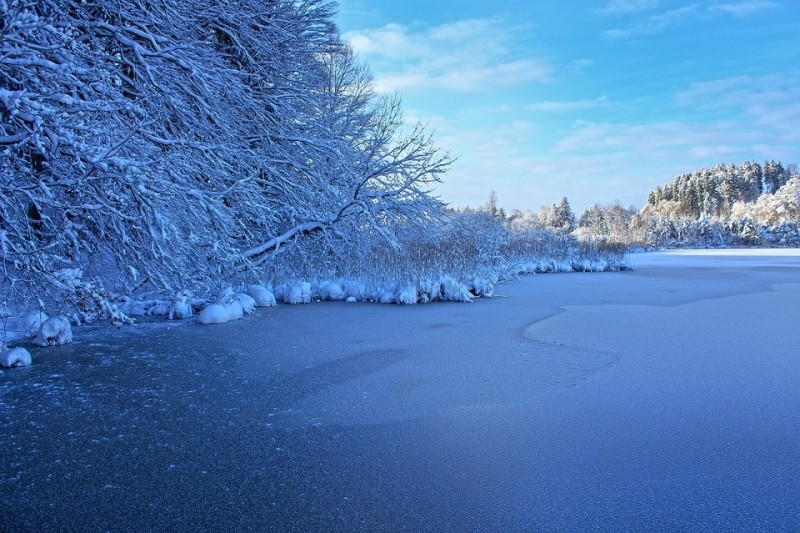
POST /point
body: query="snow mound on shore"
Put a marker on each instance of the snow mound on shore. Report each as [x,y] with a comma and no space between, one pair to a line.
[54,331]
[14,357]
[330,290]
[181,306]
[226,308]
[262,296]
[221,313]
[247,302]
[298,292]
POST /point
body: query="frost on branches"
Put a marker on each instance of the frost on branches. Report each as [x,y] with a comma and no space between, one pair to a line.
[174,145]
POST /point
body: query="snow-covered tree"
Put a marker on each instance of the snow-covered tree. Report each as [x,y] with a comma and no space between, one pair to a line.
[178,143]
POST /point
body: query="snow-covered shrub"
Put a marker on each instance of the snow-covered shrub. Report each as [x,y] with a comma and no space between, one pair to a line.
[54,331]
[159,307]
[130,307]
[14,357]
[221,313]
[181,306]
[407,294]
[482,287]
[262,296]
[330,290]
[454,290]
[90,300]
[430,290]
[355,289]
[298,292]
[225,296]
[247,302]
[386,294]
[117,154]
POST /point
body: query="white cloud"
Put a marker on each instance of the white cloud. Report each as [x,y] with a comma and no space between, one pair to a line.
[654,24]
[765,101]
[762,112]
[621,7]
[569,106]
[744,8]
[643,139]
[472,55]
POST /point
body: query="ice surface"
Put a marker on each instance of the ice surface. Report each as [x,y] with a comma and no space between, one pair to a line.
[663,398]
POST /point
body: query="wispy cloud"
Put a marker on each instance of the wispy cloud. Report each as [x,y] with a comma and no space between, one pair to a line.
[623,7]
[745,8]
[768,102]
[660,22]
[654,23]
[761,110]
[622,159]
[569,106]
[473,55]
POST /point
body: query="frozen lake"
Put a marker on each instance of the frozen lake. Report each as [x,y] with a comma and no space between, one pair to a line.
[667,398]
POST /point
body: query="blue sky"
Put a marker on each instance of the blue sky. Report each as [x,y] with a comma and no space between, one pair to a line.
[596,100]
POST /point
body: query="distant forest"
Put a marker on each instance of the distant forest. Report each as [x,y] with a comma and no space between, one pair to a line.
[727,205]
[713,192]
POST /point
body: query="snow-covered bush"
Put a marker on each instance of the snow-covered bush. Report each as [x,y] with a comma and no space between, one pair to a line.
[221,313]
[14,357]
[247,302]
[181,306]
[455,291]
[262,296]
[298,292]
[54,331]
[330,290]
